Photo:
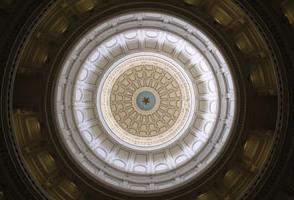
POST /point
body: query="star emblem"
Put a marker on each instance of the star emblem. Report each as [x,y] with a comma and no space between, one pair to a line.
[146,100]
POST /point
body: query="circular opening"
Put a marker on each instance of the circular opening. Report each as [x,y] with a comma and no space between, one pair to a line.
[129,124]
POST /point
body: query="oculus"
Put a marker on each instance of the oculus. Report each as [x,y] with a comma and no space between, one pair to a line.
[159,80]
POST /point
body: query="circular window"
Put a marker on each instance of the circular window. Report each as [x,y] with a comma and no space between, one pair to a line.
[145,102]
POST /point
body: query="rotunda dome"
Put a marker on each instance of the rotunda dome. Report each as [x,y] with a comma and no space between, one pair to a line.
[149,101]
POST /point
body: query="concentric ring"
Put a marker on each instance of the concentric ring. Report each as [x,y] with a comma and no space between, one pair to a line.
[151,129]
[91,131]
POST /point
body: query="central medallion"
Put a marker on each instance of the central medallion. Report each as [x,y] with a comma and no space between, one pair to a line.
[145,100]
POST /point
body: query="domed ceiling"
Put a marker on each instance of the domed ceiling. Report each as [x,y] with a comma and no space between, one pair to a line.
[150,101]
